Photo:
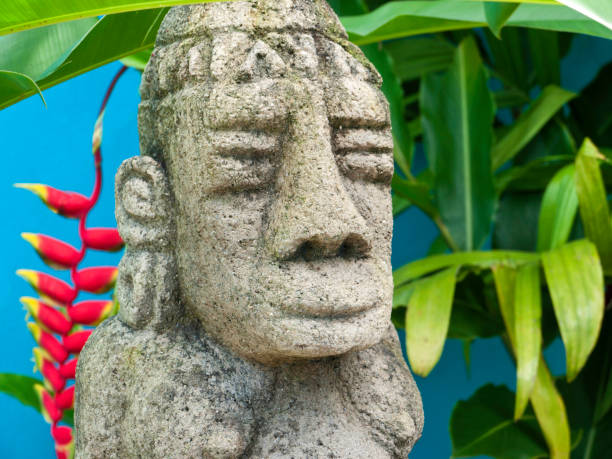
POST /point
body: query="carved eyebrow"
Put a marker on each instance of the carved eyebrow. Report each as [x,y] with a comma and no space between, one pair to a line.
[259,105]
[244,143]
[364,140]
[354,103]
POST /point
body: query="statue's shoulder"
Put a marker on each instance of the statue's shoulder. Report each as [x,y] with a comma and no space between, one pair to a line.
[382,389]
[174,394]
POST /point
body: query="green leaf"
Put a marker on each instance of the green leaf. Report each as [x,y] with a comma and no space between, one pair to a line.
[12,84]
[416,192]
[138,60]
[483,425]
[113,37]
[513,207]
[598,10]
[17,15]
[545,56]
[480,260]
[550,412]
[38,51]
[529,124]
[416,57]
[558,211]
[532,175]
[575,282]
[427,320]
[20,387]
[400,19]
[594,210]
[469,322]
[592,109]
[400,205]
[505,285]
[497,15]
[527,333]
[458,111]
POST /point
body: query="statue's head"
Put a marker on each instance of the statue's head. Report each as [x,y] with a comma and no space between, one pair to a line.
[274,140]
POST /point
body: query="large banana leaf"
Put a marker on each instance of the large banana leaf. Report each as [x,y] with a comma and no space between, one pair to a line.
[458,111]
[408,18]
[18,15]
[111,38]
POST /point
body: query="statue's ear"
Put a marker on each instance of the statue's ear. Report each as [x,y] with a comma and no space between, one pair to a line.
[143,204]
[146,287]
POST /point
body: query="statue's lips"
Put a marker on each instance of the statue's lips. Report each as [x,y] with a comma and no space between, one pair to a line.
[330,287]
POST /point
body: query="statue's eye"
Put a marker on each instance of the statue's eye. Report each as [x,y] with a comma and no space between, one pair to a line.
[365,154]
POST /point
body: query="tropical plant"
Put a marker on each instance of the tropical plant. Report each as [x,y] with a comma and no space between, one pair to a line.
[475,93]
[61,327]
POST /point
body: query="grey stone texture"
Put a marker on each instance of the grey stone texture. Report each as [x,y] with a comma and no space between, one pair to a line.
[256,287]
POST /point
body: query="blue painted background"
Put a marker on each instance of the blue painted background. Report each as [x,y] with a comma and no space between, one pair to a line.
[53,146]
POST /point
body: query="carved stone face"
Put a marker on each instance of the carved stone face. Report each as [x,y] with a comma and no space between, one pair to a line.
[278,151]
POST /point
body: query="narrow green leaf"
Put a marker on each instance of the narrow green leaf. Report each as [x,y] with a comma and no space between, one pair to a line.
[458,111]
[505,285]
[483,425]
[529,124]
[416,192]
[575,282]
[17,15]
[487,259]
[558,211]
[594,210]
[20,387]
[497,15]
[400,205]
[534,171]
[427,319]
[12,84]
[400,19]
[38,51]
[138,60]
[527,333]
[551,413]
[416,57]
[113,37]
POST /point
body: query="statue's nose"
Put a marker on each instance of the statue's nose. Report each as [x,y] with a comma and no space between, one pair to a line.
[312,215]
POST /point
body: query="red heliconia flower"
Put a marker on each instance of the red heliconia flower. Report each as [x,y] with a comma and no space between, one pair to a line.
[65,399]
[50,411]
[50,318]
[68,369]
[62,435]
[55,253]
[48,342]
[65,203]
[53,379]
[107,239]
[74,342]
[96,280]
[91,312]
[48,286]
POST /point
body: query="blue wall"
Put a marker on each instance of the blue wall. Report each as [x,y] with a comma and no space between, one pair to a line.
[53,146]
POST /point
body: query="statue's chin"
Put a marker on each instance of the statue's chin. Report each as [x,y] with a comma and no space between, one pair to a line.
[290,338]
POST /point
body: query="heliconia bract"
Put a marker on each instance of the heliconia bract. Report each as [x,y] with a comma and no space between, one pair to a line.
[91,312]
[74,342]
[48,342]
[48,317]
[107,239]
[53,378]
[49,410]
[65,399]
[54,252]
[48,286]
[96,280]
[55,314]
[68,369]
[66,203]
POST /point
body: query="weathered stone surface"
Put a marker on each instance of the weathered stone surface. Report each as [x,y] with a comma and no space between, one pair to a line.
[256,287]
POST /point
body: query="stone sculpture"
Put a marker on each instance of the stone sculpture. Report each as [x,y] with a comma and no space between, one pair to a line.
[256,288]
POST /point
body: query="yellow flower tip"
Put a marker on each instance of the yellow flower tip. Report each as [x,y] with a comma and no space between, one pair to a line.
[36,188]
[28,275]
[34,329]
[31,238]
